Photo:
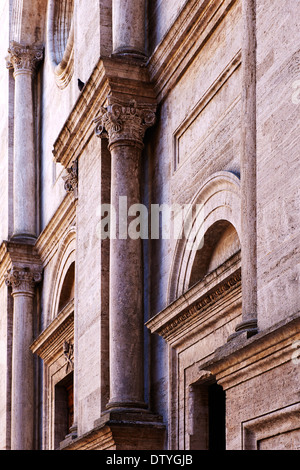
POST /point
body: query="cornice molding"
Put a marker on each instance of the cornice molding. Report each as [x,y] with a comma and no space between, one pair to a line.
[194,25]
[242,359]
[50,238]
[50,342]
[215,287]
[127,79]
[121,78]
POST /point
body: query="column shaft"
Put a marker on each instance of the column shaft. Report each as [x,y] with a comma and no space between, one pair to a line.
[22,281]
[124,124]
[24,159]
[248,170]
[23,60]
[126,294]
[129,27]
[22,407]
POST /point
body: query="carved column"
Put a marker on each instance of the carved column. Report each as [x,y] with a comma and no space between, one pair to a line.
[248,174]
[124,125]
[248,171]
[22,282]
[128,17]
[23,60]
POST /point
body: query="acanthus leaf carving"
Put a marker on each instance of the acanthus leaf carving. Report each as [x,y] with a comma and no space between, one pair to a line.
[23,57]
[22,279]
[122,121]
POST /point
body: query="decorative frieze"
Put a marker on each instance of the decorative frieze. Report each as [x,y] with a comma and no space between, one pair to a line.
[24,58]
[22,280]
[202,304]
[124,122]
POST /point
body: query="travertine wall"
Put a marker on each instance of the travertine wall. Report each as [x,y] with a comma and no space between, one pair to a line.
[91,308]
[198,134]
[58,103]
[278,163]
[195,64]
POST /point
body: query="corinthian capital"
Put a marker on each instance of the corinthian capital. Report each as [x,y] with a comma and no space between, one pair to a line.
[124,121]
[22,280]
[23,58]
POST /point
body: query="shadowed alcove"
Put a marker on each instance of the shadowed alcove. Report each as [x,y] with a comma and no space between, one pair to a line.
[220,242]
[67,290]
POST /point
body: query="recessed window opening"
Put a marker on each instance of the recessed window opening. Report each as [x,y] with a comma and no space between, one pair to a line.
[64,409]
[216,418]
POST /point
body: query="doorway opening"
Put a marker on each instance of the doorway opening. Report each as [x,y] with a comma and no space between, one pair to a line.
[208,417]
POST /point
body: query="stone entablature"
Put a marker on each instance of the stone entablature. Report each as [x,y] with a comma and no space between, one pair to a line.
[111,76]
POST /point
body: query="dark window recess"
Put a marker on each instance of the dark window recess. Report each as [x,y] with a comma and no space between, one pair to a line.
[216,417]
[64,409]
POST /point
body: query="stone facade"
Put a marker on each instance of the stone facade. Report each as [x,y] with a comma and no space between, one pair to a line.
[118,331]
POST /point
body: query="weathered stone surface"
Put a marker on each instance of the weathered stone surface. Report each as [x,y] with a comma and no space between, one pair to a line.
[197,104]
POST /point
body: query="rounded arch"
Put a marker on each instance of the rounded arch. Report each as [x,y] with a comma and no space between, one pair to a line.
[63,275]
[218,204]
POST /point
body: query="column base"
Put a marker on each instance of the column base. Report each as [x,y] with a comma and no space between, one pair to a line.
[247,328]
[69,438]
[120,405]
[122,430]
[23,237]
[130,53]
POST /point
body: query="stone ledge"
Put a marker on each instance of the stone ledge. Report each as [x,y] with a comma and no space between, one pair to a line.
[121,430]
[243,356]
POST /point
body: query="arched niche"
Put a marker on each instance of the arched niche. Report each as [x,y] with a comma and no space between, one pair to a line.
[215,237]
[68,287]
[63,278]
[60,40]
[221,242]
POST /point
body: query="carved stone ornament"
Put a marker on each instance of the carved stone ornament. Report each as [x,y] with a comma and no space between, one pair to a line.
[124,121]
[23,58]
[71,180]
[68,350]
[22,279]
